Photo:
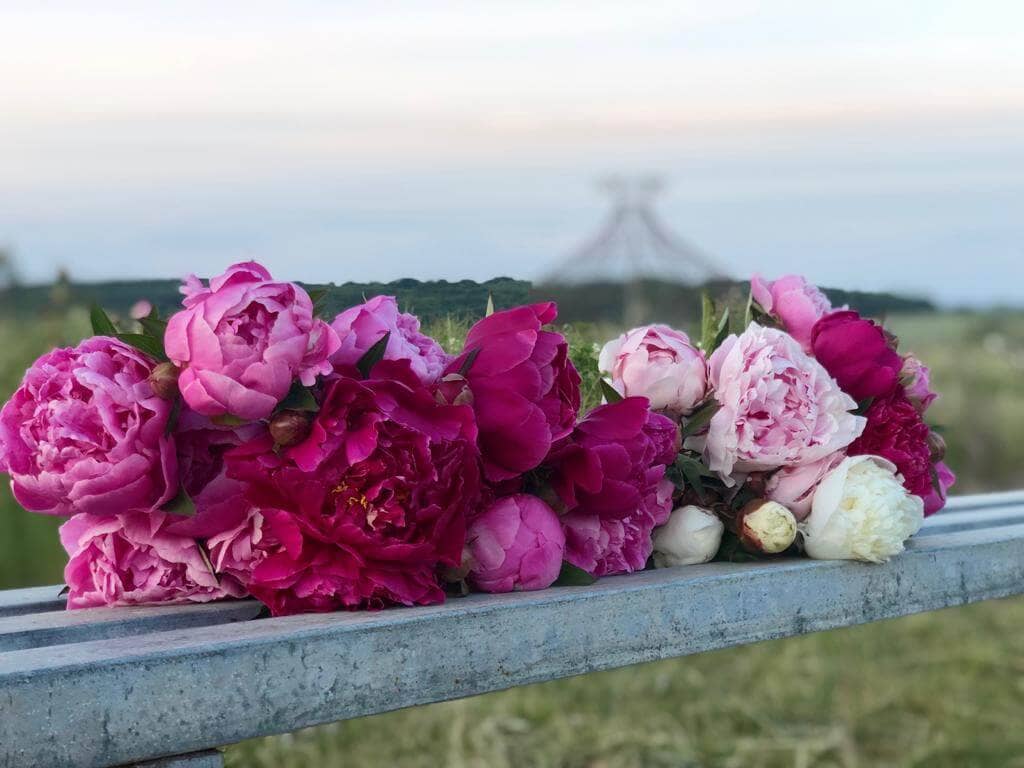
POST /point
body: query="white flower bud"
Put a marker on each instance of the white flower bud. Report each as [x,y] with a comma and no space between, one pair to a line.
[692,535]
[766,527]
[861,511]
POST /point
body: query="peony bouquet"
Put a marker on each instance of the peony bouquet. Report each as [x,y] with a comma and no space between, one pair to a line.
[247,446]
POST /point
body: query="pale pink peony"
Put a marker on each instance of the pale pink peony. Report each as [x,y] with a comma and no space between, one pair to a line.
[515,544]
[85,433]
[778,406]
[917,381]
[797,304]
[360,327]
[244,340]
[794,487]
[133,559]
[659,363]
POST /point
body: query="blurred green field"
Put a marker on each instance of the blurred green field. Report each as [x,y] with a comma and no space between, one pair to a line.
[942,689]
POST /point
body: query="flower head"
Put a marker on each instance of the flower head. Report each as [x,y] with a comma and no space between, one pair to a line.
[857,353]
[659,363]
[691,536]
[244,340]
[794,487]
[797,304]
[778,406]
[86,433]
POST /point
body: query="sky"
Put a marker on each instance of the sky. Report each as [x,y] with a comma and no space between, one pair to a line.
[869,145]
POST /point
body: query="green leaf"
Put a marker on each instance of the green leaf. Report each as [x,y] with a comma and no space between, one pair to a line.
[700,418]
[201,546]
[153,326]
[468,362]
[228,420]
[571,576]
[707,322]
[319,298]
[64,591]
[102,325]
[692,475]
[172,417]
[611,394]
[490,305]
[373,355]
[299,398]
[863,405]
[722,333]
[181,504]
[144,343]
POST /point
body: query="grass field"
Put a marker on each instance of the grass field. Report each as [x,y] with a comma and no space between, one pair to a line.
[937,690]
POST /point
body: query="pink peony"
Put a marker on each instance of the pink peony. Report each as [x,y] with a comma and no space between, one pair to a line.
[857,353]
[794,487]
[132,559]
[515,544]
[896,431]
[937,497]
[201,446]
[778,407]
[242,342]
[610,479]
[359,328]
[658,363]
[85,433]
[917,382]
[797,304]
[367,510]
[525,390]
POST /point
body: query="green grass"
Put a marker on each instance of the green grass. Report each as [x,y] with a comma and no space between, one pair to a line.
[937,690]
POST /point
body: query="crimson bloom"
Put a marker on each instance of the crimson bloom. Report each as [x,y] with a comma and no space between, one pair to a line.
[610,478]
[855,351]
[367,510]
[526,392]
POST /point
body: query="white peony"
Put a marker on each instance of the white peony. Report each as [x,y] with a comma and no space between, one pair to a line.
[861,511]
[692,535]
[766,527]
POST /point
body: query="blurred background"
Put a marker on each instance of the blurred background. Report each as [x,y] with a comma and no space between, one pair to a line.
[619,158]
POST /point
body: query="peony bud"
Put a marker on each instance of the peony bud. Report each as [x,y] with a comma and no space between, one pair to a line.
[691,536]
[164,381]
[937,446]
[765,527]
[289,428]
[453,389]
[861,511]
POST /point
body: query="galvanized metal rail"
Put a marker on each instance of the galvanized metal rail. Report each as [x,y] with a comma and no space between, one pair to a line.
[108,687]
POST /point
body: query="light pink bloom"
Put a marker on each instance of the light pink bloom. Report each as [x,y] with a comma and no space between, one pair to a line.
[360,327]
[659,363]
[779,407]
[917,381]
[140,309]
[132,559]
[794,487]
[244,340]
[794,302]
[515,544]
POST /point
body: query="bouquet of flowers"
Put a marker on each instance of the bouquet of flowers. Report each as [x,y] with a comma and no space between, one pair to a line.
[247,446]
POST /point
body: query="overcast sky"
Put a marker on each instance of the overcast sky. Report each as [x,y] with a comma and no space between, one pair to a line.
[868,144]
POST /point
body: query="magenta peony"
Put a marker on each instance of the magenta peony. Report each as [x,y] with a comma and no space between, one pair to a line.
[201,446]
[132,559]
[367,510]
[515,544]
[85,433]
[610,479]
[525,390]
[857,353]
[794,487]
[797,304]
[937,497]
[659,363]
[359,328]
[243,341]
[896,431]
[778,406]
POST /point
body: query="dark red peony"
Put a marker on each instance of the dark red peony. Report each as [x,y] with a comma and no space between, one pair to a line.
[367,510]
[525,390]
[856,352]
[610,479]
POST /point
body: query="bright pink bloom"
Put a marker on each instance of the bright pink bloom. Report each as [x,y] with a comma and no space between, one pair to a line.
[937,498]
[896,431]
[610,479]
[797,304]
[367,510]
[917,381]
[659,363]
[778,406]
[857,353]
[515,544]
[794,487]
[243,341]
[526,392]
[360,327]
[85,433]
[133,559]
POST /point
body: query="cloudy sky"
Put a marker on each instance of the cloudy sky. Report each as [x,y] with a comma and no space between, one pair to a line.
[870,144]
